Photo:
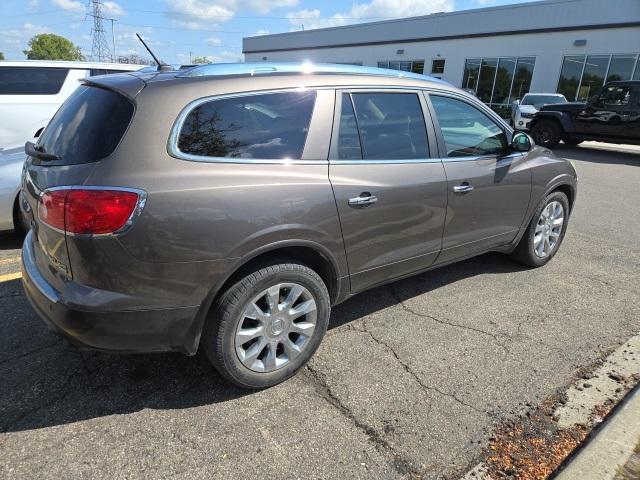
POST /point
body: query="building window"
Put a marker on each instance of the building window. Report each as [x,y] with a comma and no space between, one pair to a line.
[437,66]
[415,66]
[499,81]
[582,76]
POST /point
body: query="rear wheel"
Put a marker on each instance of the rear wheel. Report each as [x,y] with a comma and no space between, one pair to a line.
[267,325]
[545,233]
[546,133]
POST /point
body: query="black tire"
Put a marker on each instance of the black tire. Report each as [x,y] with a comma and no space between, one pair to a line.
[572,141]
[525,251]
[547,133]
[218,337]
[20,224]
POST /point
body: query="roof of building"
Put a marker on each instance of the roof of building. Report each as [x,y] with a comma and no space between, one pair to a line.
[535,17]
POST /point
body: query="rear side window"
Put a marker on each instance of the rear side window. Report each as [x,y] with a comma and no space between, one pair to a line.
[390,127]
[268,126]
[103,71]
[31,80]
[88,126]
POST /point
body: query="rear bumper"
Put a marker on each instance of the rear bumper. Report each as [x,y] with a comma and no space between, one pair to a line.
[133,331]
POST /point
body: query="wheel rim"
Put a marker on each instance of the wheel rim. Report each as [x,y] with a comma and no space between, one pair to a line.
[544,134]
[276,327]
[548,229]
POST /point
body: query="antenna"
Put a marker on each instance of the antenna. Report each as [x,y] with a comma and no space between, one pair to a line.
[161,66]
[100,46]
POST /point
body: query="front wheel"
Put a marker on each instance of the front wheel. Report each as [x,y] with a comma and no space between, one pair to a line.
[546,133]
[545,233]
[267,325]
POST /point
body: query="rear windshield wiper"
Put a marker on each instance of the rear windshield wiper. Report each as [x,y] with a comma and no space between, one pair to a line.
[38,152]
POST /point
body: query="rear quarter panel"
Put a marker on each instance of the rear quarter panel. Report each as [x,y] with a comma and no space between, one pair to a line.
[201,219]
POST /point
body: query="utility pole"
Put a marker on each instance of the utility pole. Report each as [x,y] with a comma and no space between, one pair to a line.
[190,52]
[100,51]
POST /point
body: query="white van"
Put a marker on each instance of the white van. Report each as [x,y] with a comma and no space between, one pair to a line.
[31,91]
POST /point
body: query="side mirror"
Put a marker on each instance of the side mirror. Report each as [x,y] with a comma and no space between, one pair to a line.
[521,142]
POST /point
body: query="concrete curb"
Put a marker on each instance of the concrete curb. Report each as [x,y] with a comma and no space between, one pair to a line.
[612,446]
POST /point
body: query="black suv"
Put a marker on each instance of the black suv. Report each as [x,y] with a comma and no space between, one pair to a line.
[612,115]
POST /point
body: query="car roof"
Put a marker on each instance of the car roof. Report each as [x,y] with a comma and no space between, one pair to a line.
[545,94]
[275,68]
[68,64]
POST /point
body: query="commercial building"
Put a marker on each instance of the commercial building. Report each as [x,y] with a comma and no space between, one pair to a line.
[501,53]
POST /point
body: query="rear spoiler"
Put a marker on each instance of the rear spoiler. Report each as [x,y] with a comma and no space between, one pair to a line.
[128,85]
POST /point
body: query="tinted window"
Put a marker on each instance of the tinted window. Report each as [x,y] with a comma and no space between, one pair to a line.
[542,99]
[467,132]
[613,97]
[31,80]
[269,126]
[570,76]
[105,71]
[88,126]
[593,76]
[348,138]
[391,126]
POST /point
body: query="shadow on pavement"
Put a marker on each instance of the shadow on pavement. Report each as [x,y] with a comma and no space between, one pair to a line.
[10,240]
[597,155]
[45,382]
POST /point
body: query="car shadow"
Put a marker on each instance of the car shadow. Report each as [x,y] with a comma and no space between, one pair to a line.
[45,382]
[585,153]
[10,240]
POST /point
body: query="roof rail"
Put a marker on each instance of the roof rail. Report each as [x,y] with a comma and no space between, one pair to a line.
[266,68]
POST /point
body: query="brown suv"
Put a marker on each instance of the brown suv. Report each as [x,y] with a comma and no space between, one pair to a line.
[229,207]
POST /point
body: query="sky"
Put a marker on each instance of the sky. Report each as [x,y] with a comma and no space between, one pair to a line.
[178,30]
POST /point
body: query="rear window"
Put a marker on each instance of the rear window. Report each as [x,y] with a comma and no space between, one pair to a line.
[88,126]
[266,126]
[31,80]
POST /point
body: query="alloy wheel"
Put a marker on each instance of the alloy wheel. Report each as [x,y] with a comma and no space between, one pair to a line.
[276,326]
[548,229]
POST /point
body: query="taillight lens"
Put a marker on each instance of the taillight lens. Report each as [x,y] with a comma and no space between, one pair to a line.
[91,212]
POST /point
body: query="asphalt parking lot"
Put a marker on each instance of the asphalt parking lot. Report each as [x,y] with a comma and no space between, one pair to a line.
[411,379]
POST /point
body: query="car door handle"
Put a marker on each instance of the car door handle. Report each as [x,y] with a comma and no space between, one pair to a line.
[365,199]
[463,188]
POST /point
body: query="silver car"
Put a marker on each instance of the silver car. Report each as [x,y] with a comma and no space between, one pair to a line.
[11,162]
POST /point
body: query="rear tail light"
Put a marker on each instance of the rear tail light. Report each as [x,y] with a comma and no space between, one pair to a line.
[89,211]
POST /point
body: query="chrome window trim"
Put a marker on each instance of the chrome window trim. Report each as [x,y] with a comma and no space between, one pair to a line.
[482,108]
[137,211]
[174,151]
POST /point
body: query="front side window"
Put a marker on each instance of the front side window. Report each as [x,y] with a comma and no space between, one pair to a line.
[31,80]
[614,97]
[389,126]
[270,126]
[466,130]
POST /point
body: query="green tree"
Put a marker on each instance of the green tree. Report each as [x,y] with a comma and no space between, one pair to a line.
[1,56]
[198,60]
[48,46]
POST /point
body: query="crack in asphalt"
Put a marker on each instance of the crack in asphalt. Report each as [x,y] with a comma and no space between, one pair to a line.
[410,310]
[401,464]
[413,374]
[30,352]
